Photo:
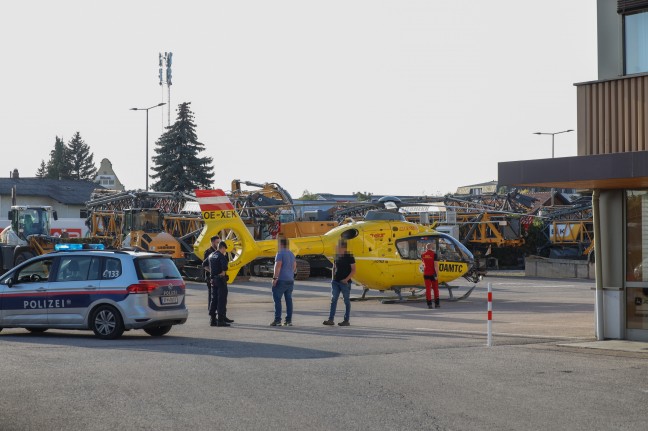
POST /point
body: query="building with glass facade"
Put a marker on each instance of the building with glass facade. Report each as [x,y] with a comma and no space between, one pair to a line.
[612,162]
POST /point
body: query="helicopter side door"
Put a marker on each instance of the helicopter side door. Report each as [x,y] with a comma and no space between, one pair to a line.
[407,269]
[372,261]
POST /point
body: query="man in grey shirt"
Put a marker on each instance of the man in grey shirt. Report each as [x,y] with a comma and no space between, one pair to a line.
[283,281]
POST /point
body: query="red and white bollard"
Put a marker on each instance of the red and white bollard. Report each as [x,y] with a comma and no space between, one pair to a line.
[489,338]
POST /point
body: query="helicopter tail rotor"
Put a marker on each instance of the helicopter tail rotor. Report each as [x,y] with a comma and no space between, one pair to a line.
[221,219]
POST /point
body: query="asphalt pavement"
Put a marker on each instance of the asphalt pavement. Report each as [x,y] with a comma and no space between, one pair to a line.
[399,366]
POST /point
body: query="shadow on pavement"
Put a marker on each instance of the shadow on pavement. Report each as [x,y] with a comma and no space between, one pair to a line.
[170,344]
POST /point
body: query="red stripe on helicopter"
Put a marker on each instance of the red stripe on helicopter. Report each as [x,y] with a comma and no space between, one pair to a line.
[213,200]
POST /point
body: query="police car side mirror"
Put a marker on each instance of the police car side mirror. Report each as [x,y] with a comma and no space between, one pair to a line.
[9,281]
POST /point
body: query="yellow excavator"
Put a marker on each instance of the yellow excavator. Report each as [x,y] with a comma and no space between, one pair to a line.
[18,240]
[143,229]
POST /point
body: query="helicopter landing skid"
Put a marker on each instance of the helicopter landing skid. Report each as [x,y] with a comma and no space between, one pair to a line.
[455,299]
[416,295]
[363,297]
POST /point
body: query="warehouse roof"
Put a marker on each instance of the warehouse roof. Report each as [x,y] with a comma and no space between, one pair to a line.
[68,192]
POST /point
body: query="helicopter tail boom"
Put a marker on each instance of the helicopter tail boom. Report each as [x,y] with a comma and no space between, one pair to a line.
[221,219]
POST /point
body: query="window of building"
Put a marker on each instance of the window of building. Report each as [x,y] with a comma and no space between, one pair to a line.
[635,35]
[637,259]
[637,238]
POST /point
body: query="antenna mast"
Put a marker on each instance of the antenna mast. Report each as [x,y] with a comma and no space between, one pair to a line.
[165,62]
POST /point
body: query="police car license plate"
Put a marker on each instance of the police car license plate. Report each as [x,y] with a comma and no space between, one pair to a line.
[168,299]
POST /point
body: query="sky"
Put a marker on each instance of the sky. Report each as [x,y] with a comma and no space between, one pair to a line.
[391,97]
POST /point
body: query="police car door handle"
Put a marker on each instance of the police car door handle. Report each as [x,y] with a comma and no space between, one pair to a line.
[40,289]
[90,288]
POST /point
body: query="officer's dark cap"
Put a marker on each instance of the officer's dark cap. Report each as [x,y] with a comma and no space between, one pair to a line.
[222,244]
[214,238]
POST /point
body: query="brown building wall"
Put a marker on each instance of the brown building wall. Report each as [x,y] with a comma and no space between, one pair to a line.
[613,116]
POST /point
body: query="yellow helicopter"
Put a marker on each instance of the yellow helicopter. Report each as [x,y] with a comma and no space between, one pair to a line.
[387,249]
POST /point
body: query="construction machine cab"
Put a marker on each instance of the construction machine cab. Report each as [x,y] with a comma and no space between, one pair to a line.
[26,220]
[146,220]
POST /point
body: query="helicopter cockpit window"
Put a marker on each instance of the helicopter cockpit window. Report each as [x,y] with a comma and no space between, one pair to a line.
[408,248]
[447,250]
[403,248]
[445,247]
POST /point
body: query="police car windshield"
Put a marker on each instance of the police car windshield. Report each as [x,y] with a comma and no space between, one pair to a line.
[156,268]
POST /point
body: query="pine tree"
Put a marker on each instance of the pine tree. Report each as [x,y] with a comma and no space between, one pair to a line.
[42,170]
[81,159]
[177,165]
[59,166]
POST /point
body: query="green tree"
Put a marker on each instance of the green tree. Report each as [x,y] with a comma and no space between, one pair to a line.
[308,196]
[366,196]
[535,238]
[177,165]
[42,170]
[81,159]
[59,166]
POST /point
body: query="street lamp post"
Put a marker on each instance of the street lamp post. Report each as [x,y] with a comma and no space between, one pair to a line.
[147,137]
[553,134]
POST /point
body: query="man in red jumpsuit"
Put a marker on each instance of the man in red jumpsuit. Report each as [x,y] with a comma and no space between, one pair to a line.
[430,271]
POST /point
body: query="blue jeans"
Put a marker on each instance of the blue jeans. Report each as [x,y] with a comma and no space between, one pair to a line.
[285,289]
[336,288]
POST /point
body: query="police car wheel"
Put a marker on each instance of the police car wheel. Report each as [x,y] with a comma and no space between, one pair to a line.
[158,331]
[107,323]
[36,330]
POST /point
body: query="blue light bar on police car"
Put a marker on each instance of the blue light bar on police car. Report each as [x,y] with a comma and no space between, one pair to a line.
[67,247]
[74,247]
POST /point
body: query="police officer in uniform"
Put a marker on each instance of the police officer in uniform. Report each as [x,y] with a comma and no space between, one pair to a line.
[218,273]
[214,245]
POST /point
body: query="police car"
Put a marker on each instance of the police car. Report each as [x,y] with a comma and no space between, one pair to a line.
[106,291]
